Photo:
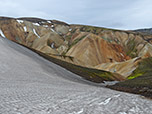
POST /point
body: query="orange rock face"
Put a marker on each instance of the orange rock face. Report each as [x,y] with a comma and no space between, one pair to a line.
[93,50]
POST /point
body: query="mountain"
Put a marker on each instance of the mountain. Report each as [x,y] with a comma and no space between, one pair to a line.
[95,53]
[144,31]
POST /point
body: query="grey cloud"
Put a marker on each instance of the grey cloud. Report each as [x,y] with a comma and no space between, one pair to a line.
[119,14]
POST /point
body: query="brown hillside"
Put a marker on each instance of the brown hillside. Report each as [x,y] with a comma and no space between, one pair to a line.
[88,46]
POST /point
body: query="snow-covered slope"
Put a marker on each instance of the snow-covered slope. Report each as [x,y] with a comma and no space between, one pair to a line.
[31,84]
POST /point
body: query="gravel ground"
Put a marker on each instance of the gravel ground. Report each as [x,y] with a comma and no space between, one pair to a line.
[30,84]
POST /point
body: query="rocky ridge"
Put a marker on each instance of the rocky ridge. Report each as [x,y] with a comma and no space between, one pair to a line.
[115,51]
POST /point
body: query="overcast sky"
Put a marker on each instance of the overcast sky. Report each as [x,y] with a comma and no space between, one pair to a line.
[120,14]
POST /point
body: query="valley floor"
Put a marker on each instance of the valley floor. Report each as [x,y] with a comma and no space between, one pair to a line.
[30,84]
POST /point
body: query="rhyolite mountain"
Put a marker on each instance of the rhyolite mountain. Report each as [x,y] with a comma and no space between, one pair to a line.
[95,53]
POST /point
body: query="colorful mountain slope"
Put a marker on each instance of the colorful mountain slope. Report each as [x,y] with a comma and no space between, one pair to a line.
[114,51]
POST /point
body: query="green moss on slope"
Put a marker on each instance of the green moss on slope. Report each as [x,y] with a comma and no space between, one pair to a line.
[144,69]
[140,81]
[135,76]
[93,29]
[131,48]
[90,74]
[77,40]
[74,43]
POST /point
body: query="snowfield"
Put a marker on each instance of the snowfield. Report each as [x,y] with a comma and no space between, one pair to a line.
[1,33]
[30,84]
[36,33]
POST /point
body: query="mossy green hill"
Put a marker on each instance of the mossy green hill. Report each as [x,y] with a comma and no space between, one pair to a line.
[140,81]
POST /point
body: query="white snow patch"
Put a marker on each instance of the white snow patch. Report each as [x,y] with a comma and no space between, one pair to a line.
[109,99]
[45,26]
[105,102]
[52,26]
[25,29]
[42,22]
[49,21]
[79,112]
[116,96]
[53,30]
[2,34]
[20,21]
[36,24]
[36,33]
[70,29]
[110,82]
[52,45]
[122,113]
[121,54]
